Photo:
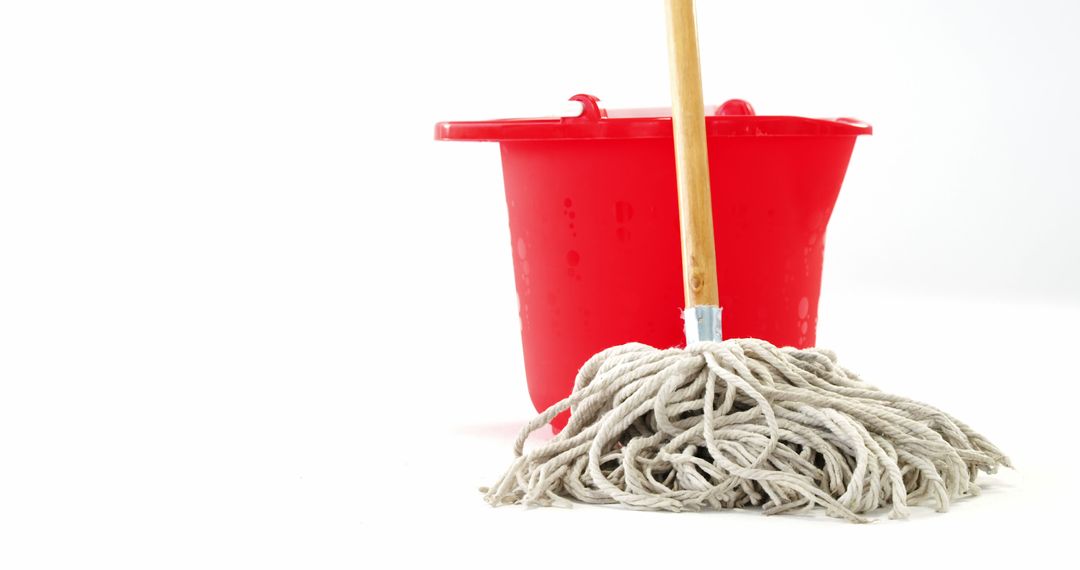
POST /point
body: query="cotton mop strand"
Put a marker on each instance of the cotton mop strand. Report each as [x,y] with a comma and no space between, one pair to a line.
[739,422]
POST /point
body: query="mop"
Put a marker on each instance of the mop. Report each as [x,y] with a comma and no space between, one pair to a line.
[735,423]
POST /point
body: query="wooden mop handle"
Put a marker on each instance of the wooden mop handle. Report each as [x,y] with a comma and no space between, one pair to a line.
[691,157]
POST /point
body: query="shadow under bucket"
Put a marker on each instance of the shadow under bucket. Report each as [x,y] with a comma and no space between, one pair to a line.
[595,229]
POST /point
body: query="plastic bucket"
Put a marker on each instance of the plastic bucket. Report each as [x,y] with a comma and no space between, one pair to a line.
[594,227]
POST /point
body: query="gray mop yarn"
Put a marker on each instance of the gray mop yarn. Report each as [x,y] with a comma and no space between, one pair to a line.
[741,422]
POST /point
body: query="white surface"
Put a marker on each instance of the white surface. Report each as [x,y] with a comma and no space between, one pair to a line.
[214,213]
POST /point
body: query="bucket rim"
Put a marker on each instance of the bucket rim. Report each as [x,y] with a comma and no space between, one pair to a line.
[735,118]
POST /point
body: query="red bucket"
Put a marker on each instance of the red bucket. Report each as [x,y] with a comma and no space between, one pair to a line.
[595,231]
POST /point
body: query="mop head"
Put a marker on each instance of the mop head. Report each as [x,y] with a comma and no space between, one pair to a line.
[743,423]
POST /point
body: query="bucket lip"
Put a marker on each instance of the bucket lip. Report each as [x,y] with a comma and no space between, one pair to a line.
[734,118]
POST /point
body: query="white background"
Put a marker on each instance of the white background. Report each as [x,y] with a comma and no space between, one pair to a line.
[251,315]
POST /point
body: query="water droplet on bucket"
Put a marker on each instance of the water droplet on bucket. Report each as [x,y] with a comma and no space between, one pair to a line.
[623,211]
[568,202]
[573,258]
[520,248]
[804,307]
[804,326]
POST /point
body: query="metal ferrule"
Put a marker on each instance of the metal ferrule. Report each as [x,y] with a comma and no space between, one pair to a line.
[701,323]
